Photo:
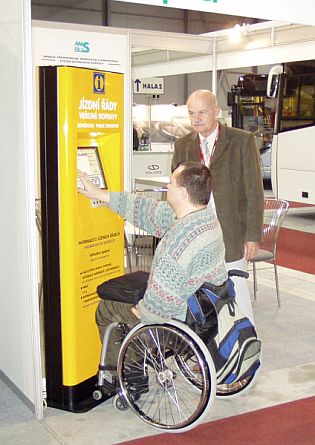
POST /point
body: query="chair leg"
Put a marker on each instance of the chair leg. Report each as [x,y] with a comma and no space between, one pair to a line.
[255,281]
[128,252]
[277,283]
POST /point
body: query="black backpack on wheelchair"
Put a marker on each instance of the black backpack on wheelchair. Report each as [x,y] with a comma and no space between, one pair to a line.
[230,336]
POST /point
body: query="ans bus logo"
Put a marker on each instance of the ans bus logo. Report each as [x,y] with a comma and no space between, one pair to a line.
[99,83]
[81,47]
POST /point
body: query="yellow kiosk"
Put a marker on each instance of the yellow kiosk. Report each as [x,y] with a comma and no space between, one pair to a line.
[81,114]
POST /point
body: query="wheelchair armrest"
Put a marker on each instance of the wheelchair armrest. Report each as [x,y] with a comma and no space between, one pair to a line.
[238,273]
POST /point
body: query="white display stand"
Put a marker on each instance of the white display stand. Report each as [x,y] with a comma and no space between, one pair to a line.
[150,164]
[150,183]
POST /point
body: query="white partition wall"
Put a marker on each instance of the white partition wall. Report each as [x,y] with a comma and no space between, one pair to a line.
[19,314]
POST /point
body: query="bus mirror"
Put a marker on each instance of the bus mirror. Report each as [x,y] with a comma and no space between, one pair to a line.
[273,80]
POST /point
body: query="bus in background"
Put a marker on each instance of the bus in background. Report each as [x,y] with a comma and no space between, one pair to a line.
[253,111]
[286,107]
[293,145]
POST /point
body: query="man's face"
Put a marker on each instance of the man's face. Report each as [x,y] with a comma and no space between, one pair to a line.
[203,114]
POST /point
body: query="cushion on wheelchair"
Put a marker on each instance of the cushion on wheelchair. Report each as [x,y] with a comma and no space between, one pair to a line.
[128,288]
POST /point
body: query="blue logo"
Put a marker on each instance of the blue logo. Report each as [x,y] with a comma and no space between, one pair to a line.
[81,47]
[99,83]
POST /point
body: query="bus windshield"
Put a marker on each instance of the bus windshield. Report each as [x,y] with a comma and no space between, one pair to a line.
[296,109]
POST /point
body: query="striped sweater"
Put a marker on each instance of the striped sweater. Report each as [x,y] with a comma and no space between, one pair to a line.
[190,252]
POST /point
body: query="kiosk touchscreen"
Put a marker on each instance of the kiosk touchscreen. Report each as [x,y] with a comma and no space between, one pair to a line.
[89,162]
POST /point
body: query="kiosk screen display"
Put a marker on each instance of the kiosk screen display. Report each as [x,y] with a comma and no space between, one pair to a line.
[89,162]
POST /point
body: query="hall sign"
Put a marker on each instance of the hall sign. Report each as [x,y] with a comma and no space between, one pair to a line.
[152,85]
[289,11]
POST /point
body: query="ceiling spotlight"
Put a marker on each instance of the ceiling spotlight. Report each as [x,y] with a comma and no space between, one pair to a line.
[235,33]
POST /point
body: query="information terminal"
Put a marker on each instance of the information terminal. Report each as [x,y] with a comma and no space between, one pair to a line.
[89,163]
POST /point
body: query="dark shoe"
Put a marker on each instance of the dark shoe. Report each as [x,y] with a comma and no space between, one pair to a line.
[138,382]
[108,389]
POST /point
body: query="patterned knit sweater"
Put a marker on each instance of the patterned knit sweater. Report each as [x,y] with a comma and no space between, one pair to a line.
[190,252]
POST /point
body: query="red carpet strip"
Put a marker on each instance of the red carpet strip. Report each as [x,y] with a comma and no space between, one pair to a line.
[296,250]
[294,204]
[290,423]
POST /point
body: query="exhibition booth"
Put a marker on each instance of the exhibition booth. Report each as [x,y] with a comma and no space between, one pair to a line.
[68,96]
[158,127]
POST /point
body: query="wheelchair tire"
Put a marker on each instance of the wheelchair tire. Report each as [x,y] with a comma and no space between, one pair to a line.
[240,390]
[153,384]
[119,403]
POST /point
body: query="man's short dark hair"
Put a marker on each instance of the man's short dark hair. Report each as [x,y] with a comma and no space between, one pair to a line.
[196,179]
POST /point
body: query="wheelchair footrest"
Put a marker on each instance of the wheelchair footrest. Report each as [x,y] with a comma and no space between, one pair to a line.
[107,368]
[109,389]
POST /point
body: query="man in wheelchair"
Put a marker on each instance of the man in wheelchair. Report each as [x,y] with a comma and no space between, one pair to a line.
[190,252]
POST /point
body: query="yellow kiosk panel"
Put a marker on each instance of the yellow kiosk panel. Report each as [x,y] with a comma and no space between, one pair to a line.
[81,127]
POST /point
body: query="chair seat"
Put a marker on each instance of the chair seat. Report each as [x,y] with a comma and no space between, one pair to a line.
[262,255]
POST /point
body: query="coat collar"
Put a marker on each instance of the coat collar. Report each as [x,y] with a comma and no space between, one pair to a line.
[222,142]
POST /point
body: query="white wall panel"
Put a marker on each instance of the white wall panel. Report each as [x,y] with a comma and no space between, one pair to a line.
[19,315]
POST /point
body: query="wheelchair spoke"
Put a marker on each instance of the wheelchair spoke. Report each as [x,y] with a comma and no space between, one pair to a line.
[156,339]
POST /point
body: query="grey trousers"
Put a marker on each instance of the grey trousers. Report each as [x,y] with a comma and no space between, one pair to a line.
[109,312]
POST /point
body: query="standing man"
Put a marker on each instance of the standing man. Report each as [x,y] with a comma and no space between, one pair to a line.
[238,196]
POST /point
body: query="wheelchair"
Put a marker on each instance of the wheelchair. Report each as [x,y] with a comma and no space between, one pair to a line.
[168,375]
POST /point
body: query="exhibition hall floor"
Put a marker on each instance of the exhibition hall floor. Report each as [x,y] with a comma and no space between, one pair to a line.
[288,371]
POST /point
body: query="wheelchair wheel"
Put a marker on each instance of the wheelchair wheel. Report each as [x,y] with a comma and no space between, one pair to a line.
[241,387]
[238,388]
[155,384]
[188,365]
[120,403]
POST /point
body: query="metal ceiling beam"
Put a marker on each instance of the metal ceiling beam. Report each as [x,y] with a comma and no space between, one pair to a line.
[262,45]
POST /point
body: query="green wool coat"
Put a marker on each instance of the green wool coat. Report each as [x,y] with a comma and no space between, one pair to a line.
[237,185]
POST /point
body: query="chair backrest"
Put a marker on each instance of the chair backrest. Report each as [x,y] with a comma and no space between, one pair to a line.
[274,213]
[141,245]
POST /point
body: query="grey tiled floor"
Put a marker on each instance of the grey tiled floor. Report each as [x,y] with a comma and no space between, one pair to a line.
[286,374]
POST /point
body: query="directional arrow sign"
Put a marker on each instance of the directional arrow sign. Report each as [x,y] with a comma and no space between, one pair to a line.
[153,85]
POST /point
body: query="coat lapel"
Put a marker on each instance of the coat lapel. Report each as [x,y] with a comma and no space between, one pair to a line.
[193,148]
[222,143]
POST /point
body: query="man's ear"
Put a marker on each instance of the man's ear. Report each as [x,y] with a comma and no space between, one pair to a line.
[184,193]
